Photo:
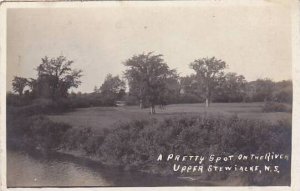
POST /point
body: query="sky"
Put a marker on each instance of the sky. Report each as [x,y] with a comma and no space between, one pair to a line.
[254,41]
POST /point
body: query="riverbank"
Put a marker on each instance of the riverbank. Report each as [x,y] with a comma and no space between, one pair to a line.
[52,169]
[134,146]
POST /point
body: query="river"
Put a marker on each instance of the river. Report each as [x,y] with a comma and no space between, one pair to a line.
[59,170]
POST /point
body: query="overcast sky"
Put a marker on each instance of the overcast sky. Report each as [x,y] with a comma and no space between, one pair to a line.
[254,41]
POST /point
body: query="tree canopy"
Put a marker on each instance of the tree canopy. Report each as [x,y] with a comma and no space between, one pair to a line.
[209,71]
[150,82]
[56,77]
[147,76]
[18,84]
[113,88]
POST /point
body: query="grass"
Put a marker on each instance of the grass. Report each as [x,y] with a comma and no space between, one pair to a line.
[99,118]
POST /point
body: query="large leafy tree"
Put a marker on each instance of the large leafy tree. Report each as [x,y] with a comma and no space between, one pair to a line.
[18,84]
[56,77]
[209,72]
[147,76]
[113,88]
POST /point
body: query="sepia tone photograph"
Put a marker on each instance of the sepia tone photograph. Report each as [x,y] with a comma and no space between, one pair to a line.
[149,95]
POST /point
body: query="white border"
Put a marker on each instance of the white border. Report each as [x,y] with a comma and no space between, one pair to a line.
[295,168]
[3,97]
[295,185]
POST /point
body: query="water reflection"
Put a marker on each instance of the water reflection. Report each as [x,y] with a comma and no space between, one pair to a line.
[55,169]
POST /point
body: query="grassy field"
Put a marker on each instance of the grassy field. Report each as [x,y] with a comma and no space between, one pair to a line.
[105,117]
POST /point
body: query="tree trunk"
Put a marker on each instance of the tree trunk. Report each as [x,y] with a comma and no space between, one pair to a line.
[152,109]
[141,104]
[207,102]
[208,95]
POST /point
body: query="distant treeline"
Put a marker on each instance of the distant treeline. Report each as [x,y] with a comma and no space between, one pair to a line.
[150,83]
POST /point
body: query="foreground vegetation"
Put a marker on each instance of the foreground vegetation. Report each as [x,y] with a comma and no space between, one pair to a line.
[136,144]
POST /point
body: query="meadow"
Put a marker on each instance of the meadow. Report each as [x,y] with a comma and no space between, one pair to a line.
[98,118]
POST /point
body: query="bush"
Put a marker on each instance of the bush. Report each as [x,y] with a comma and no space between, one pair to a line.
[139,142]
[45,133]
[17,100]
[40,106]
[82,139]
[276,107]
[37,132]
[283,96]
[136,145]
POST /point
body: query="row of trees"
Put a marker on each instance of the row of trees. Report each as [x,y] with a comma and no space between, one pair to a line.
[151,82]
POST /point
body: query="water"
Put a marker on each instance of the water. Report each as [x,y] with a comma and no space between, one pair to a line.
[31,170]
[55,169]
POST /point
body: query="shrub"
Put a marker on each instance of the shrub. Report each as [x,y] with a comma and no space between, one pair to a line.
[17,100]
[284,96]
[276,107]
[136,145]
[37,132]
[46,134]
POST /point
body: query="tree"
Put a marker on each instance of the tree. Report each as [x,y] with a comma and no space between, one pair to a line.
[172,93]
[96,89]
[147,75]
[283,92]
[18,84]
[264,89]
[56,77]
[191,89]
[113,88]
[209,71]
[232,88]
